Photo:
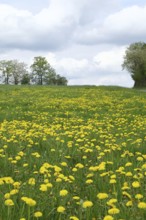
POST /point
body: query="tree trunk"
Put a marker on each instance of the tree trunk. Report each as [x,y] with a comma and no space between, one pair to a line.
[41,82]
[7,80]
[139,84]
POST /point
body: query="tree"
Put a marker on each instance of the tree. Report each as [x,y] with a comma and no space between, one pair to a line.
[19,69]
[61,80]
[135,63]
[6,68]
[41,70]
[50,78]
[25,79]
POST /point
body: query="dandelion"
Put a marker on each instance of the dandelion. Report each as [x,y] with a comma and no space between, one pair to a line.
[60,209]
[28,201]
[113,211]
[79,165]
[142,205]
[111,202]
[102,195]
[63,192]
[43,187]
[14,191]
[140,159]
[144,166]
[64,164]
[31,181]
[16,185]
[7,195]
[138,196]
[128,164]
[38,214]
[124,193]
[73,218]
[128,174]
[129,203]
[108,217]
[76,197]
[113,181]
[9,202]
[89,181]
[87,204]
[136,184]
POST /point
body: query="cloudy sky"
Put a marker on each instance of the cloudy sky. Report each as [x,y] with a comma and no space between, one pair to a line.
[84,40]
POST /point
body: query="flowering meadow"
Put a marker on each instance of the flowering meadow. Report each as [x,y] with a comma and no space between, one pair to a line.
[72,153]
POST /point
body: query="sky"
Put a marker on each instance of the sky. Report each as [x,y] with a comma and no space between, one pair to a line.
[85,41]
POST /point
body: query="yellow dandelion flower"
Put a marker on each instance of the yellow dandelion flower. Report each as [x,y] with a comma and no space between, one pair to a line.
[111,202]
[89,181]
[113,181]
[64,164]
[128,164]
[124,193]
[58,180]
[14,191]
[38,214]
[7,195]
[136,184]
[16,185]
[73,218]
[9,202]
[144,166]
[142,205]
[49,185]
[63,192]
[28,201]
[140,159]
[60,209]
[79,165]
[76,197]
[113,211]
[31,181]
[102,195]
[108,217]
[43,187]
[87,204]
[138,196]
[129,203]
[74,169]
[128,174]
[8,180]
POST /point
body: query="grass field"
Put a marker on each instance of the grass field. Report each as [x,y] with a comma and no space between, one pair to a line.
[72,153]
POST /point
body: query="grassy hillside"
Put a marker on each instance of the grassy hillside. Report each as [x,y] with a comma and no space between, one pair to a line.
[72,153]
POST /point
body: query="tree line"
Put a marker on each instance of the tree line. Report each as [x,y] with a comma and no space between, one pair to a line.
[41,73]
[135,63]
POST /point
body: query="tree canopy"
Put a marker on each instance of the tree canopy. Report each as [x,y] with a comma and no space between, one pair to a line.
[135,63]
[42,73]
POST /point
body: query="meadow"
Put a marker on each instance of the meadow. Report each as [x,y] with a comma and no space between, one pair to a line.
[72,153]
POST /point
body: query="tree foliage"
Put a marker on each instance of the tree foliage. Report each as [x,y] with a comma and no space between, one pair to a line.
[135,63]
[25,79]
[13,71]
[6,68]
[19,69]
[42,73]
[41,70]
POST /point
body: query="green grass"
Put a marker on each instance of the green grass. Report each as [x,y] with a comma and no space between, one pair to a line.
[83,139]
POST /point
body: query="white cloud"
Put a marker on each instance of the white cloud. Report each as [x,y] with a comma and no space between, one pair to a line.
[122,27]
[111,59]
